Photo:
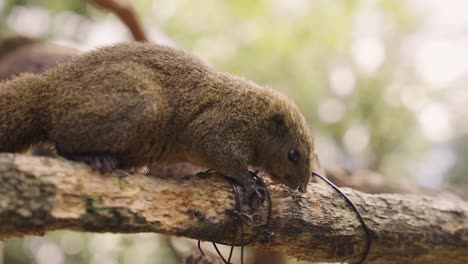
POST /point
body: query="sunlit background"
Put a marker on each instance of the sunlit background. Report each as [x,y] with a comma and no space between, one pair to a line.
[382,84]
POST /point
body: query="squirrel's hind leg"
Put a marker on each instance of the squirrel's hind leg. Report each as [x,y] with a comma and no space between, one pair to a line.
[100,162]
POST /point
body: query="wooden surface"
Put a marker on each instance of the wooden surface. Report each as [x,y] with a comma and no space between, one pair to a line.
[39,194]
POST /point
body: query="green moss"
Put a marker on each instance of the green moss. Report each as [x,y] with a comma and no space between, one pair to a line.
[101,218]
[25,201]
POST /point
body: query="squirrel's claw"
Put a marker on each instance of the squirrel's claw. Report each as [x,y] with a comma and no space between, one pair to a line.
[254,195]
[101,162]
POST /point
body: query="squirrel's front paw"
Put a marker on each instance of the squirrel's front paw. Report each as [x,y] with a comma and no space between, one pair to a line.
[254,194]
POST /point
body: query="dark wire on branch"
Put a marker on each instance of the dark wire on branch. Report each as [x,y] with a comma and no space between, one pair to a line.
[240,218]
[356,210]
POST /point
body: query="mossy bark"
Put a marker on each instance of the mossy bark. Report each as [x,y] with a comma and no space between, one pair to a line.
[39,194]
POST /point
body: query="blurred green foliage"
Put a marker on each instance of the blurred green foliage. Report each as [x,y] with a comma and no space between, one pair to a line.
[78,6]
[74,247]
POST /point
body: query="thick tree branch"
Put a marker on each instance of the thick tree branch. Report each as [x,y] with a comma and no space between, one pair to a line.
[39,194]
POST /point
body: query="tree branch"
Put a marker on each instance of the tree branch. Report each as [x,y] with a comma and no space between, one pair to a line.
[39,194]
[125,12]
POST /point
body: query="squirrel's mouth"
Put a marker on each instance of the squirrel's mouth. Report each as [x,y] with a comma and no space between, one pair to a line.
[288,179]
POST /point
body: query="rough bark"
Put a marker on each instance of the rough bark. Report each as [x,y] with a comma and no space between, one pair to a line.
[39,194]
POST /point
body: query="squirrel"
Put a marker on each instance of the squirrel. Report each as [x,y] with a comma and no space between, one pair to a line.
[134,104]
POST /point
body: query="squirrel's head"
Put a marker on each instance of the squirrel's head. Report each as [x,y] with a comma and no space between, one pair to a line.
[287,149]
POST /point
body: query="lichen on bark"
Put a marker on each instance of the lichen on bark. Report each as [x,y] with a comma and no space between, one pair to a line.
[41,194]
[25,200]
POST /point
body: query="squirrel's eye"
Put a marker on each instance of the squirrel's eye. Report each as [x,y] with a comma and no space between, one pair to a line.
[293,155]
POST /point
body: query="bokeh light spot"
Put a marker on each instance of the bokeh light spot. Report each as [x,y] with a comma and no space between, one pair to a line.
[434,122]
[356,138]
[331,110]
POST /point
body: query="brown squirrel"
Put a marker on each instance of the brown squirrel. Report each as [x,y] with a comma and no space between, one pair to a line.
[130,105]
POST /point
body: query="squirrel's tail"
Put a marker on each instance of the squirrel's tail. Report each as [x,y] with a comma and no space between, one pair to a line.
[23,112]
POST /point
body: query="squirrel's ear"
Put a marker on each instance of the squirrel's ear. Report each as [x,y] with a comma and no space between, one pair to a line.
[278,125]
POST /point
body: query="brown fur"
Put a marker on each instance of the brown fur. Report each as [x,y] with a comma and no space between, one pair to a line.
[146,103]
